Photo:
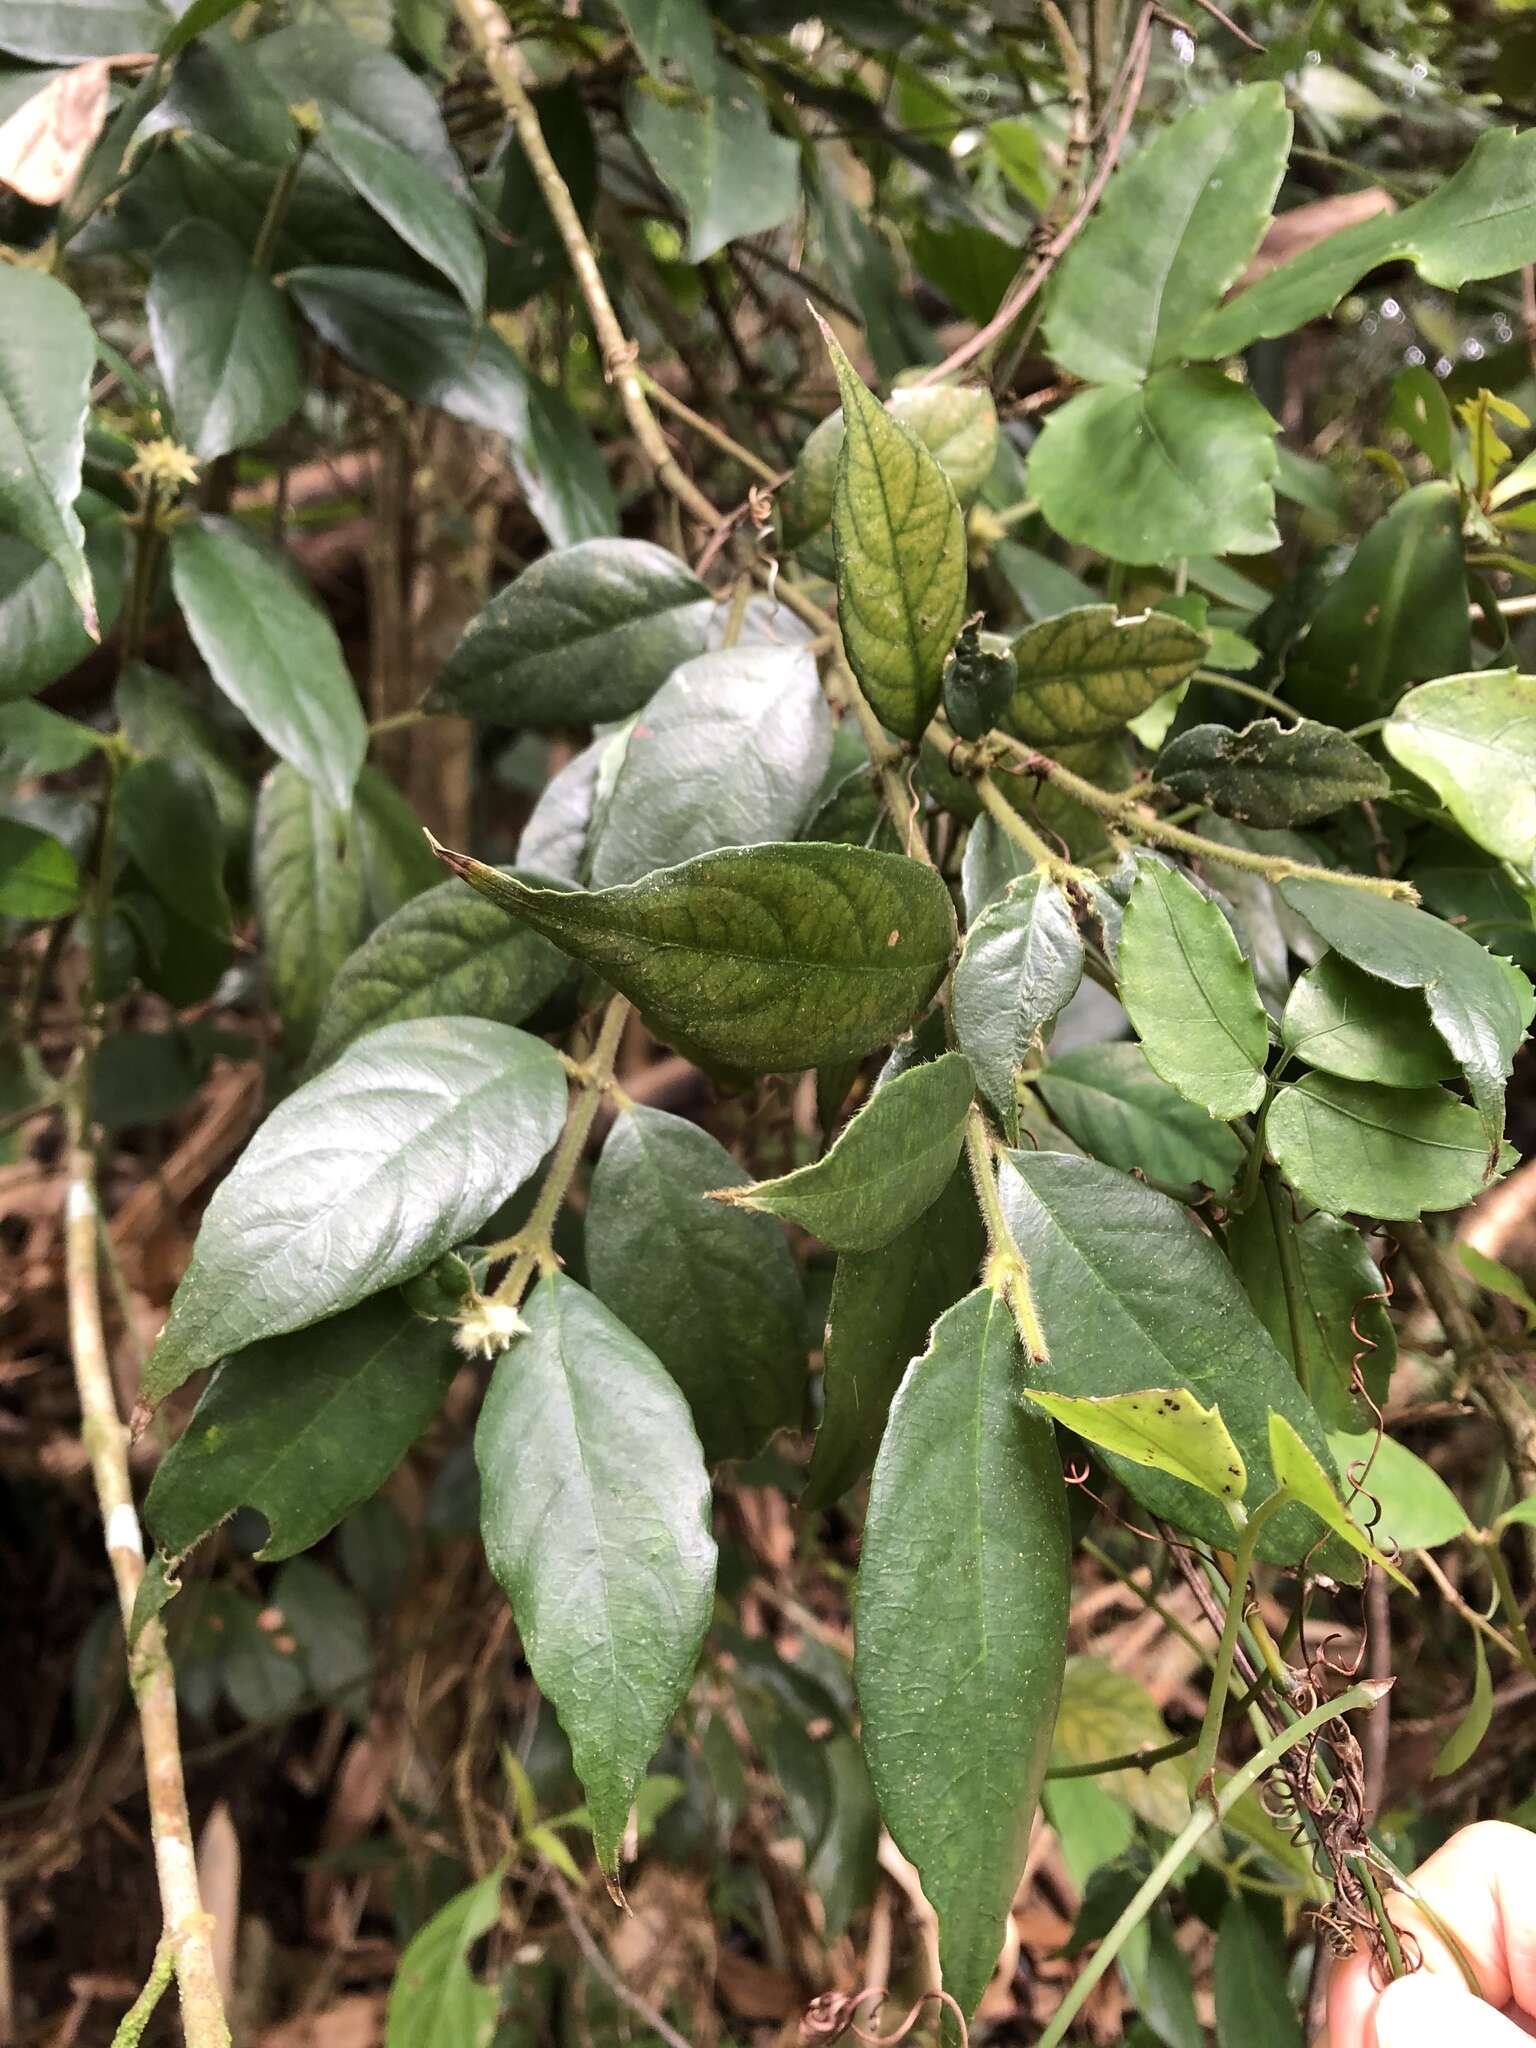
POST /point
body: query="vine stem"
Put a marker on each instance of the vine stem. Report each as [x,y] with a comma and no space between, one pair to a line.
[1226,1648]
[1470,1615]
[1021,832]
[533,1248]
[1202,1820]
[1218,681]
[1007,1271]
[670,402]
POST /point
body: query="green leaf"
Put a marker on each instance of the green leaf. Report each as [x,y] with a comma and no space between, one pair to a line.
[42,634]
[1108,1098]
[716,151]
[1174,232]
[434,2001]
[1254,2006]
[273,653]
[1164,1428]
[887,1166]
[426,215]
[1191,995]
[392,850]
[443,954]
[731,751]
[47,354]
[1397,615]
[39,876]
[883,1305]
[161,717]
[678,1270]
[195,21]
[582,636]
[424,345]
[1472,738]
[1321,1297]
[956,423]
[303,1428]
[1344,1021]
[990,862]
[73,31]
[1132,1292]
[901,557]
[961,1628]
[1402,1500]
[595,1516]
[769,958]
[329,1626]
[1106,1712]
[310,900]
[1496,1278]
[36,741]
[1270,775]
[222,339]
[1479,1004]
[1466,1738]
[360,1179]
[1020,966]
[1086,673]
[1303,1475]
[169,825]
[1479,223]
[1387,1152]
[320,59]
[1181,465]
[671,33]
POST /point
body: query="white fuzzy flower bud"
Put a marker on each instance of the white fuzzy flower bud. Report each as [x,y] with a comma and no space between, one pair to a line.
[486,1328]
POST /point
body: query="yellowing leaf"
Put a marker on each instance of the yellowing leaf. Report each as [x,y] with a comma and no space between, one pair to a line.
[1164,1427]
[1304,1478]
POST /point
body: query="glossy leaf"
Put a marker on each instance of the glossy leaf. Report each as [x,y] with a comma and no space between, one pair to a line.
[961,1636]
[1019,968]
[1133,1293]
[424,345]
[1176,228]
[1397,615]
[319,59]
[1344,1021]
[435,2000]
[595,1517]
[1479,223]
[1301,1472]
[47,353]
[1269,774]
[990,862]
[767,958]
[582,636]
[1350,1146]
[887,1166]
[1403,1501]
[360,1179]
[443,954]
[303,1428]
[1472,738]
[1164,1428]
[1087,673]
[311,901]
[1181,465]
[1480,1005]
[883,1305]
[717,152]
[39,876]
[730,751]
[1109,1099]
[222,339]
[716,1296]
[423,211]
[273,653]
[1321,1297]
[169,825]
[1191,995]
[901,558]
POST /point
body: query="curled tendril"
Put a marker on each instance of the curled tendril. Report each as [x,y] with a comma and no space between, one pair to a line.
[835,2013]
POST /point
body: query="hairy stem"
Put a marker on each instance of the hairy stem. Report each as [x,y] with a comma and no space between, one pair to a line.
[1021,832]
[1200,1823]
[1007,1270]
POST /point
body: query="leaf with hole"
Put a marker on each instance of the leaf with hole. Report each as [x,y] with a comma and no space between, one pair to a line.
[595,1516]
[901,558]
[580,637]
[1270,775]
[1191,995]
[360,1179]
[717,1296]
[961,1628]
[1086,673]
[886,1167]
[1472,738]
[768,958]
